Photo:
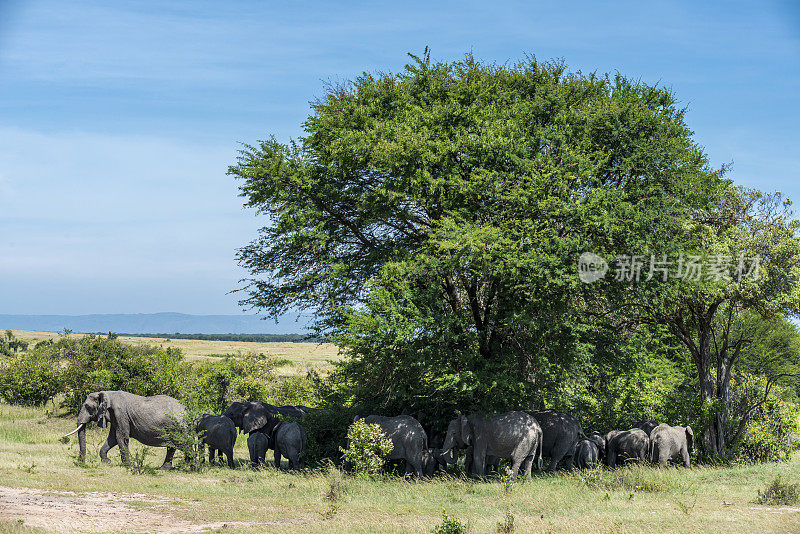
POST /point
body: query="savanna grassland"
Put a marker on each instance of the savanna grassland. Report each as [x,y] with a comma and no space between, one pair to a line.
[42,487]
[297,357]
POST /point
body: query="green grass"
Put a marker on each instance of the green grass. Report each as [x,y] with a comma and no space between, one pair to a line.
[633,499]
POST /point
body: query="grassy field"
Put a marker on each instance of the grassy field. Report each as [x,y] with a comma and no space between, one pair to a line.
[300,355]
[42,487]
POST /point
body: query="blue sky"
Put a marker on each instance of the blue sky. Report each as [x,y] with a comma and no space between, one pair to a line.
[118,120]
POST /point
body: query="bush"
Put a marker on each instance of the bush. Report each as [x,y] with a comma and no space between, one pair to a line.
[326,434]
[31,378]
[449,525]
[213,385]
[771,433]
[95,363]
[293,390]
[779,492]
[367,448]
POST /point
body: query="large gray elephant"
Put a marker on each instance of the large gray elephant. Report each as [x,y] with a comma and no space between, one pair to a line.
[288,439]
[409,443]
[513,435]
[645,424]
[252,416]
[219,433]
[626,445]
[130,416]
[669,442]
[589,451]
[560,433]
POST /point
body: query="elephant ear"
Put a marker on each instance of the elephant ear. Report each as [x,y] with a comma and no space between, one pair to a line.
[254,419]
[689,438]
[102,409]
[466,431]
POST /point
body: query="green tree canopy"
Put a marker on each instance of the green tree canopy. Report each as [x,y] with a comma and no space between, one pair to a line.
[433,220]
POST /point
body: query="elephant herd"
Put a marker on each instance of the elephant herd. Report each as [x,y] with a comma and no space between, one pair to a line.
[523,438]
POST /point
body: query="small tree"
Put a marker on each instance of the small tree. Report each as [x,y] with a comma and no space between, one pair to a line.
[751,241]
[367,448]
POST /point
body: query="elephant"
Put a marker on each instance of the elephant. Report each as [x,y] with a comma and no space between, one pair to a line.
[219,433]
[560,433]
[409,443]
[668,442]
[492,462]
[645,424]
[297,412]
[144,419]
[251,416]
[257,444]
[627,445]
[589,451]
[514,435]
[288,439]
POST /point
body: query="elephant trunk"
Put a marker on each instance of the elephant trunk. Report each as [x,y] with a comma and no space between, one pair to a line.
[82,442]
[446,456]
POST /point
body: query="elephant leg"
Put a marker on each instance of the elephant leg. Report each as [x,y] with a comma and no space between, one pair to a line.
[110,443]
[167,465]
[122,441]
[416,466]
[277,459]
[527,466]
[569,461]
[554,459]
[685,455]
[479,461]
[468,460]
[229,456]
[211,453]
[612,458]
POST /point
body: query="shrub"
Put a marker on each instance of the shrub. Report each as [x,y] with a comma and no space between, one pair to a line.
[367,448]
[95,363]
[326,434]
[292,390]
[771,433]
[31,378]
[213,385]
[449,525]
[184,437]
[779,492]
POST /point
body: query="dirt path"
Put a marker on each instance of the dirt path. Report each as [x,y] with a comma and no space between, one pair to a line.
[65,511]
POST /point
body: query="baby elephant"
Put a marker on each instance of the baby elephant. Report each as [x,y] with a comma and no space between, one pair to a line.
[590,451]
[289,440]
[219,433]
[257,444]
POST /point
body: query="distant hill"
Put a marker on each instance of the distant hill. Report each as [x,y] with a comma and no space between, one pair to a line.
[145,323]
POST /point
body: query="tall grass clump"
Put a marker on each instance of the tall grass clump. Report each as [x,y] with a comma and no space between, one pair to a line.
[632,478]
[779,493]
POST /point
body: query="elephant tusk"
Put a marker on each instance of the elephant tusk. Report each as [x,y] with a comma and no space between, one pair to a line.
[79,427]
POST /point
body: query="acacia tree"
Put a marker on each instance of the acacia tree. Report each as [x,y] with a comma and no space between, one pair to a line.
[432,219]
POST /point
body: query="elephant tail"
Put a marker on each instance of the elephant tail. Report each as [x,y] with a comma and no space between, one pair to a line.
[538,455]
